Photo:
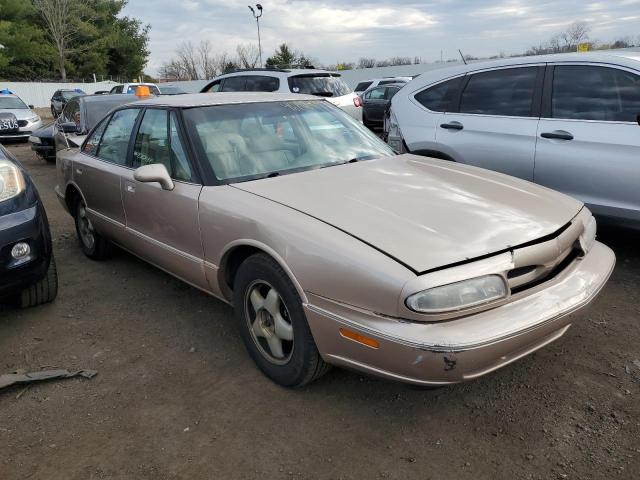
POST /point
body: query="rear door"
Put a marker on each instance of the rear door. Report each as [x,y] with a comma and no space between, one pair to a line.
[162,226]
[496,121]
[589,138]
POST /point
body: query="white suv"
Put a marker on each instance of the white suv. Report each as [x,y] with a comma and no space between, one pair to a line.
[321,83]
[566,121]
[367,84]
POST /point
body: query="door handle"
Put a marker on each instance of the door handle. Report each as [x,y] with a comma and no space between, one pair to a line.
[452,126]
[79,171]
[557,135]
[131,188]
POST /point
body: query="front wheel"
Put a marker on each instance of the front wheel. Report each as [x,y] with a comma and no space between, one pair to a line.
[43,291]
[272,323]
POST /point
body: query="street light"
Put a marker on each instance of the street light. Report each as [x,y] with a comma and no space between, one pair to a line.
[257,17]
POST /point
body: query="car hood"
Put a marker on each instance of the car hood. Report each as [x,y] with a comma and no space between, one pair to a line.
[423,212]
[20,113]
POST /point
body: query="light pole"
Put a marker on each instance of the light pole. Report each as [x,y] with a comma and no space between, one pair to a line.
[257,17]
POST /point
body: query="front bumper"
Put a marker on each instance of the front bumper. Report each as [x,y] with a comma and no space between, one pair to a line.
[30,226]
[445,352]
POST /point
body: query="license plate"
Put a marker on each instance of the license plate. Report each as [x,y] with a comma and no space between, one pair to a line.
[8,124]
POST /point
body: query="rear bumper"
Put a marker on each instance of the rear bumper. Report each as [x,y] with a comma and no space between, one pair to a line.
[452,351]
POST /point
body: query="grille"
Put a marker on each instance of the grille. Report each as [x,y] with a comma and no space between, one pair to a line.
[22,123]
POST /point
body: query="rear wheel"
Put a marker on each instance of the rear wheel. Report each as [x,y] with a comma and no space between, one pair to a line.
[272,323]
[92,243]
[43,291]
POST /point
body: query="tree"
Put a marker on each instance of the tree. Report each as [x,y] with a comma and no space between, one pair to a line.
[248,55]
[577,33]
[286,57]
[365,62]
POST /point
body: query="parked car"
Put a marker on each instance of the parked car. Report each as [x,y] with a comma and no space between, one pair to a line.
[376,102]
[170,90]
[130,88]
[80,115]
[28,274]
[331,249]
[320,83]
[569,122]
[367,84]
[42,142]
[17,120]
[60,98]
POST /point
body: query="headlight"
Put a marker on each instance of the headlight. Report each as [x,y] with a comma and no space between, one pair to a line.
[11,180]
[588,237]
[33,139]
[459,295]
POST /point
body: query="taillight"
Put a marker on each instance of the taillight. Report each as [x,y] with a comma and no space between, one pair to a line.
[357,101]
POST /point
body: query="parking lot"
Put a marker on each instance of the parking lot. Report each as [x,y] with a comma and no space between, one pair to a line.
[177,397]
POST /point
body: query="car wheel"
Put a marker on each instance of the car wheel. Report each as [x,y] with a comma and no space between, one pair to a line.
[92,243]
[273,325]
[43,291]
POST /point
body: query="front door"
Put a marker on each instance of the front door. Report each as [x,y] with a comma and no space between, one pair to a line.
[589,139]
[496,122]
[374,102]
[162,225]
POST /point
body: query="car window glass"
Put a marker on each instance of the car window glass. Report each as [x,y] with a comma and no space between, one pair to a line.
[91,144]
[234,84]
[180,165]
[71,112]
[391,91]
[585,92]
[322,84]
[506,92]
[375,94]
[215,86]
[152,141]
[115,140]
[439,97]
[262,83]
[362,86]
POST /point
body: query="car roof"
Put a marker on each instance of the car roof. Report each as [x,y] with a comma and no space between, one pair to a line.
[106,98]
[616,57]
[223,98]
[278,72]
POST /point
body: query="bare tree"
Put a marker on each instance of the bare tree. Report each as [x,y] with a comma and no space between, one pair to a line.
[63,20]
[577,33]
[248,55]
[206,60]
[365,62]
[187,58]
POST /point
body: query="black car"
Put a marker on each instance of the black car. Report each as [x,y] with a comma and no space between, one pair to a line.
[375,102]
[28,274]
[60,99]
[42,142]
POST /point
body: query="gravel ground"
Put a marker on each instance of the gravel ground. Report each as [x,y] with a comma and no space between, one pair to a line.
[177,397]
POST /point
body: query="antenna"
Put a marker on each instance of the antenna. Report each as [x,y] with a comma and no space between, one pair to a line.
[462,56]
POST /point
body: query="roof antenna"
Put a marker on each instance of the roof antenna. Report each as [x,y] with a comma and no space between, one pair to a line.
[462,56]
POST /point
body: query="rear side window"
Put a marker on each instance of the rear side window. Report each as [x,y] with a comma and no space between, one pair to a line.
[322,85]
[234,84]
[91,145]
[115,140]
[391,91]
[261,83]
[362,86]
[439,98]
[506,92]
[375,94]
[583,92]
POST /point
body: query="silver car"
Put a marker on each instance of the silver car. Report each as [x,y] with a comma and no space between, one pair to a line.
[17,120]
[569,122]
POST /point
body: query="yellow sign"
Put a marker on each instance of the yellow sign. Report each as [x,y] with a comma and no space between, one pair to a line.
[583,47]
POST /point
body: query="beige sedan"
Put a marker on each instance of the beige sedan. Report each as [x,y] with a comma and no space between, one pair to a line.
[332,249]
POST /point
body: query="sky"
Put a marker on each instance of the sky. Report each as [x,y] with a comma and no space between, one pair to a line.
[334,31]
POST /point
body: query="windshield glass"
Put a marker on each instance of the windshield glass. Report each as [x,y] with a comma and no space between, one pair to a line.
[68,95]
[320,84]
[12,103]
[99,107]
[152,89]
[255,140]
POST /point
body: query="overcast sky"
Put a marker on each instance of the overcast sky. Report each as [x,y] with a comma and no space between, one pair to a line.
[332,31]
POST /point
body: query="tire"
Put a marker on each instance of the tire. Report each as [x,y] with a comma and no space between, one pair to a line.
[93,245]
[298,361]
[43,291]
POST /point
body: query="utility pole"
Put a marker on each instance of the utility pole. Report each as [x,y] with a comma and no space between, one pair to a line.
[257,17]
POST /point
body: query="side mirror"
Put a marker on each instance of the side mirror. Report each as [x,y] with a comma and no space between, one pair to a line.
[156,172]
[69,127]
[31,107]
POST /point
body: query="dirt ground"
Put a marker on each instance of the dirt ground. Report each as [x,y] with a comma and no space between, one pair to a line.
[177,397]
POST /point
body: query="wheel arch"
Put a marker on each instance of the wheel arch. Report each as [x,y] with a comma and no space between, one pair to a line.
[237,252]
[71,194]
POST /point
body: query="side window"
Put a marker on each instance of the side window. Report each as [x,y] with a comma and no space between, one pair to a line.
[234,84]
[215,87]
[375,94]
[115,140]
[260,83]
[91,145]
[583,92]
[71,112]
[391,91]
[179,163]
[505,92]
[362,86]
[439,97]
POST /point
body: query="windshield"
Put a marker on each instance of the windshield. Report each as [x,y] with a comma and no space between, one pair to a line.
[99,108]
[152,89]
[323,85]
[12,103]
[255,140]
[68,95]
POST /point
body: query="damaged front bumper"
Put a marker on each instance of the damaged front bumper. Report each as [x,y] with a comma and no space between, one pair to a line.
[440,353]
